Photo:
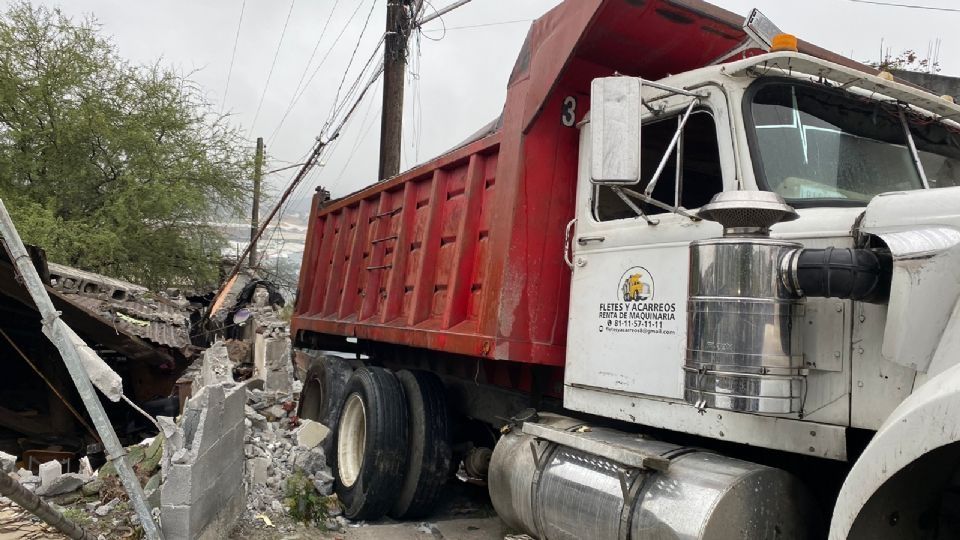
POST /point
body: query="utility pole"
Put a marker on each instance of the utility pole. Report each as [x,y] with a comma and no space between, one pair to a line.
[255,213]
[394,69]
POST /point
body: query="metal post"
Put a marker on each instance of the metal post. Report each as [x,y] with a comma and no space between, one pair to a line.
[12,490]
[255,212]
[58,332]
[394,70]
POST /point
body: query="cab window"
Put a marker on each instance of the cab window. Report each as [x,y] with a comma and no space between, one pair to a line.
[699,177]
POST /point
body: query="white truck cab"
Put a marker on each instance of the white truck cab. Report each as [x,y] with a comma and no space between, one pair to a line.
[867,164]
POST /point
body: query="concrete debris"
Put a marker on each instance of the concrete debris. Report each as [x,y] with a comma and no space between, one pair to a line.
[311,433]
[62,484]
[105,509]
[85,468]
[8,463]
[274,453]
[217,367]
[50,471]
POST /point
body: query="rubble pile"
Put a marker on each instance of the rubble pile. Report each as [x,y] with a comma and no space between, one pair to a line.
[94,499]
[278,447]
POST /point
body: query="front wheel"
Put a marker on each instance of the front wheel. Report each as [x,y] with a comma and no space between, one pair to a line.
[371,446]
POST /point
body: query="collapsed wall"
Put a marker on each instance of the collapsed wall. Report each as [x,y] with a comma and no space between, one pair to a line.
[203,491]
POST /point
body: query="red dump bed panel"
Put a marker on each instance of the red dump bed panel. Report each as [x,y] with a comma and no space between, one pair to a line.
[406,261]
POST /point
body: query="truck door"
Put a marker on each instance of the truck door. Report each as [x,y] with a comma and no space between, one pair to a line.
[629,287]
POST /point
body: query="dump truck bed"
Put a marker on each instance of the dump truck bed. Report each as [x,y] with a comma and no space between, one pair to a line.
[464,254]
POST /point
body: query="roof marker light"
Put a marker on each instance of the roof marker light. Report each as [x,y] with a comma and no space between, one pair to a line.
[783,42]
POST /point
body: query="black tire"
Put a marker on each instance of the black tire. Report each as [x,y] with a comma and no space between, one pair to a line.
[428,464]
[324,390]
[371,456]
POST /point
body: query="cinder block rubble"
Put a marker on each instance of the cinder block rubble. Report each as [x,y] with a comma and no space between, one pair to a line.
[203,490]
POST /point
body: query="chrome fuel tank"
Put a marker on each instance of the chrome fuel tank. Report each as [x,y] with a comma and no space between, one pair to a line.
[555,492]
[742,354]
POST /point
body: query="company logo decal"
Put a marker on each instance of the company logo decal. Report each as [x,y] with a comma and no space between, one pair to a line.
[636,309]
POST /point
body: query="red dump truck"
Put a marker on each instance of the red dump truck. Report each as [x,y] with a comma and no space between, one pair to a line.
[671,292]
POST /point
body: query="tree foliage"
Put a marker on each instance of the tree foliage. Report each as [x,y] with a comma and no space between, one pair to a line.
[111,167]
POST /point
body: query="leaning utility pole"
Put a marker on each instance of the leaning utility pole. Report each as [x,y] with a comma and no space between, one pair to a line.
[255,213]
[394,69]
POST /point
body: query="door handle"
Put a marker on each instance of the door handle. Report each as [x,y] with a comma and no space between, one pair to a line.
[584,240]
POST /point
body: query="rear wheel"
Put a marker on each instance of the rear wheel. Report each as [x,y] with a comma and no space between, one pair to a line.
[371,446]
[428,464]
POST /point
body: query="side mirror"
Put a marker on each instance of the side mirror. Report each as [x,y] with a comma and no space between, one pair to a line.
[615,131]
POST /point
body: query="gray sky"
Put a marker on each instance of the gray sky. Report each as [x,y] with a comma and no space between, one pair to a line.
[461,78]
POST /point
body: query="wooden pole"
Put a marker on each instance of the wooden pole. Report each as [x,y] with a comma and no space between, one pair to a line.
[255,213]
[394,70]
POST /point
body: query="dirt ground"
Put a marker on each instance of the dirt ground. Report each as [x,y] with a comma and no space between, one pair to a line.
[466,514]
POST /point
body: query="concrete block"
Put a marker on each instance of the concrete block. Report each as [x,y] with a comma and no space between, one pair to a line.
[278,368]
[177,486]
[257,470]
[175,521]
[8,463]
[210,426]
[311,433]
[50,471]
[217,367]
[260,357]
[235,400]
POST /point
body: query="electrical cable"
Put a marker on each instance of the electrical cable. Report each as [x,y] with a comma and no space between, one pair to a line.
[233,56]
[316,70]
[306,69]
[353,55]
[273,64]
[908,6]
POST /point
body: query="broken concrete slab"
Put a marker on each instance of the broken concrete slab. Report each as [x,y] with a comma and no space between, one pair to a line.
[65,483]
[311,433]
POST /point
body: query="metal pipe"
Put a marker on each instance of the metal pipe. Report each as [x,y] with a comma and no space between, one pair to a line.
[12,490]
[913,150]
[441,12]
[58,332]
[669,150]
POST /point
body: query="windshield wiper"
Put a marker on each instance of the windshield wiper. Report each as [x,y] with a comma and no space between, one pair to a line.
[913,149]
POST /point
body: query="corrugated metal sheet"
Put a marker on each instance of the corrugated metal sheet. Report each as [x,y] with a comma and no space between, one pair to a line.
[152,320]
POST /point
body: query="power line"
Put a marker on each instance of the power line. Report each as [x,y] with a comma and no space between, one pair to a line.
[273,64]
[326,55]
[353,55]
[306,69]
[501,23]
[908,6]
[233,56]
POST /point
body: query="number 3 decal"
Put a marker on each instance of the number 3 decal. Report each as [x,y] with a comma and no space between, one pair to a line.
[568,112]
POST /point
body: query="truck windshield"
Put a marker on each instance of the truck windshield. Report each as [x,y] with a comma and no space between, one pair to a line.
[817,143]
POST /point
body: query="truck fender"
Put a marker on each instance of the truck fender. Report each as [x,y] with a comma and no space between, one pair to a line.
[917,441]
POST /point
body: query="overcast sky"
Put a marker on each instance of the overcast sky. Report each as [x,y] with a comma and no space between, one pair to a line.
[461,75]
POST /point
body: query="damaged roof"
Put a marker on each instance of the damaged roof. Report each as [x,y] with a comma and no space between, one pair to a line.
[116,314]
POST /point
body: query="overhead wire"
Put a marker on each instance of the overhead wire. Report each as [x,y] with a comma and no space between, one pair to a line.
[908,6]
[233,56]
[306,69]
[273,64]
[303,90]
[353,55]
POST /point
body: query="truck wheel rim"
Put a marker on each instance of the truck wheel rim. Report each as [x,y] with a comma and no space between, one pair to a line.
[352,440]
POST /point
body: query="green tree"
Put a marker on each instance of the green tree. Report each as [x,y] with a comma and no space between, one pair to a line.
[111,167]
